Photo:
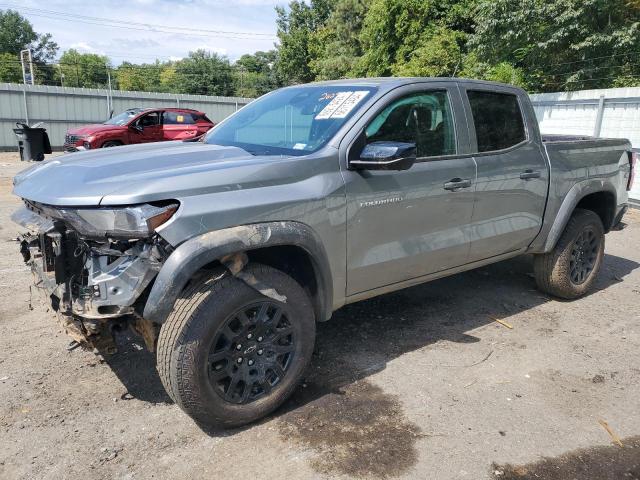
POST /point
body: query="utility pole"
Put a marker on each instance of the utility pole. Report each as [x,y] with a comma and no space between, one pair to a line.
[27,78]
[109,93]
[61,75]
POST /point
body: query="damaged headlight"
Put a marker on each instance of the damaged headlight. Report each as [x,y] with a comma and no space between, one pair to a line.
[137,221]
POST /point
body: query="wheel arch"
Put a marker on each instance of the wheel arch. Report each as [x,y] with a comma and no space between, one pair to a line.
[115,140]
[599,198]
[292,247]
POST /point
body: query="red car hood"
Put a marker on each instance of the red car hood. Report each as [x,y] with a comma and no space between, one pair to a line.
[94,128]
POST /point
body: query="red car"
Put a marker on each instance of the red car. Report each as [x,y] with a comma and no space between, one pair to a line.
[139,125]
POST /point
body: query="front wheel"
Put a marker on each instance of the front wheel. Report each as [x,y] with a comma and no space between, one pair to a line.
[228,355]
[571,268]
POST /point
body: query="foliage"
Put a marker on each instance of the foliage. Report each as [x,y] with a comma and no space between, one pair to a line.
[16,34]
[561,45]
[86,70]
[256,74]
[10,70]
[296,26]
[437,55]
[336,46]
[502,72]
[537,44]
[138,78]
[204,73]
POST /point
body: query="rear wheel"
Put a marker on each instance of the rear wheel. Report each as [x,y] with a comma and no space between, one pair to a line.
[228,355]
[571,268]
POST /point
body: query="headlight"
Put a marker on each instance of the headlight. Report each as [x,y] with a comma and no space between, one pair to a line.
[129,222]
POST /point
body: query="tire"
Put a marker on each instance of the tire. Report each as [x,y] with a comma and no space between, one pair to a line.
[198,350]
[565,272]
[111,143]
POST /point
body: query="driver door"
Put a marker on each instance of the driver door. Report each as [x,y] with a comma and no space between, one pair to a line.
[147,129]
[407,224]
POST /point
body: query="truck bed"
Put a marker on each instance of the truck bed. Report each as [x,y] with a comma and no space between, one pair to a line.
[549,138]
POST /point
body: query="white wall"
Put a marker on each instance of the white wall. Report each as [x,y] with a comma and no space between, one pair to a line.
[576,113]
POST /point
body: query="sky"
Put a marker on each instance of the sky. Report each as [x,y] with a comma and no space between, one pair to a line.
[194,24]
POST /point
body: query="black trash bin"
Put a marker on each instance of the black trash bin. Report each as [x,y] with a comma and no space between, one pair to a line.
[32,142]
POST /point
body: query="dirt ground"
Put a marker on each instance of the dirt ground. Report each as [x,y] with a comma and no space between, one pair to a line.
[421,383]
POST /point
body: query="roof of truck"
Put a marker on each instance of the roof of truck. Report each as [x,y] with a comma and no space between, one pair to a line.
[393,82]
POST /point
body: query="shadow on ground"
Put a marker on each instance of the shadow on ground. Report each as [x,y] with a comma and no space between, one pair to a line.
[355,427]
[611,462]
[135,367]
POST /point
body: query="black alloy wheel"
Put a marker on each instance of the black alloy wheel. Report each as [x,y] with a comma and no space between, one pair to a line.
[251,353]
[583,256]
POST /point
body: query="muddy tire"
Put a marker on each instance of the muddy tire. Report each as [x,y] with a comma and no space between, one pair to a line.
[571,268]
[111,143]
[228,355]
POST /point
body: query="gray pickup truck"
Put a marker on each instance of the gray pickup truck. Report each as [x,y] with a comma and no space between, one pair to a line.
[223,253]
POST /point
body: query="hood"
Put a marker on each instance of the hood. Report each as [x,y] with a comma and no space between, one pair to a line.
[142,173]
[93,128]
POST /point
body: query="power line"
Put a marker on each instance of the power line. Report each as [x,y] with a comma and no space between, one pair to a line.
[146,27]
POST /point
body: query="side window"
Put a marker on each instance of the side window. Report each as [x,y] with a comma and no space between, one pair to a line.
[497,119]
[422,118]
[177,118]
[150,120]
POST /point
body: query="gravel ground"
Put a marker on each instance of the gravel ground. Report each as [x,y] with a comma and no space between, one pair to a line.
[421,383]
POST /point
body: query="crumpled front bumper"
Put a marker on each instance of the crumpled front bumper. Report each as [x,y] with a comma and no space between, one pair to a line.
[87,287]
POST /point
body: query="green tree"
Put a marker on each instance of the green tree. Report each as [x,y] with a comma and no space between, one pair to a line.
[439,54]
[256,74]
[86,70]
[422,37]
[296,25]
[562,45]
[146,77]
[336,47]
[204,73]
[16,34]
[502,72]
[10,70]
[169,78]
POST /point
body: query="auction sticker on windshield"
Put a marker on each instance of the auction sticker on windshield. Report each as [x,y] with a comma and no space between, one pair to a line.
[341,105]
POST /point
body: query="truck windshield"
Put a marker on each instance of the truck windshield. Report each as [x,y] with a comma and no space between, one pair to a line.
[123,117]
[291,121]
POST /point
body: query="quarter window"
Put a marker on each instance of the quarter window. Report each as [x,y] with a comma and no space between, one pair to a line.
[497,119]
[421,118]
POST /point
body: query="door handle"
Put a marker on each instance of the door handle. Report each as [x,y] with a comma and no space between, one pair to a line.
[457,183]
[528,174]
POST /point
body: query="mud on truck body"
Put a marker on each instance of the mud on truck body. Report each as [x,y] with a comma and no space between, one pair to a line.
[224,253]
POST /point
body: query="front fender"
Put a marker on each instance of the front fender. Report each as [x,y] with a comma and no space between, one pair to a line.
[199,251]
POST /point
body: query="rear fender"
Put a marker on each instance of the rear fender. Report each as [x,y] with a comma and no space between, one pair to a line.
[571,200]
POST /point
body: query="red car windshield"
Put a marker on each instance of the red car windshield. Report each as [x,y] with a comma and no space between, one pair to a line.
[123,117]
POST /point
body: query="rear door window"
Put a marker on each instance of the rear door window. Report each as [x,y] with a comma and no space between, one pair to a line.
[177,118]
[497,119]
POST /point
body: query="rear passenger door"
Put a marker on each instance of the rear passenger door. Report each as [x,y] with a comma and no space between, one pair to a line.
[178,125]
[512,181]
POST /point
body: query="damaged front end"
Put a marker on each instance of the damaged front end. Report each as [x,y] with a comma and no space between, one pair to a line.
[95,265]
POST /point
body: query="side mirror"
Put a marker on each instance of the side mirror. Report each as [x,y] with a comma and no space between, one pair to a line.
[385,156]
